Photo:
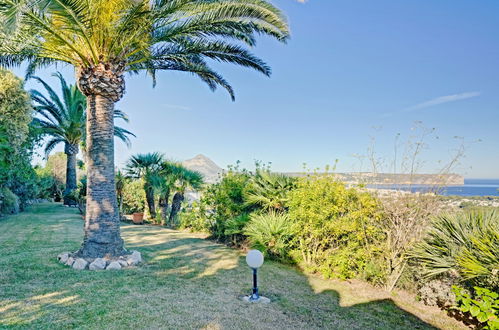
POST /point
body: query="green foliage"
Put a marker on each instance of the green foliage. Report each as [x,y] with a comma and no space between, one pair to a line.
[482,305]
[465,244]
[194,217]
[142,35]
[133,197]
[339,228]
[15,109]
[9,202]
[271,233]
[64,119]
[227,206]
[17,139]
[268,190]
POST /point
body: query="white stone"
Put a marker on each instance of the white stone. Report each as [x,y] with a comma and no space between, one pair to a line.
[113,265]
[80,264]
[134,259]
[70,261]
[63,257]
[123,263]
[97,264]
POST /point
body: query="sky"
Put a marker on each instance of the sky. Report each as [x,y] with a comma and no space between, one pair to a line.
[355,79]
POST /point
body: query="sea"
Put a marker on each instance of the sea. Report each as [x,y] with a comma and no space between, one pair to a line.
[471,187]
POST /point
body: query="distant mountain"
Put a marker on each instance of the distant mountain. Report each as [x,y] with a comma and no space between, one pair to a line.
[205,166]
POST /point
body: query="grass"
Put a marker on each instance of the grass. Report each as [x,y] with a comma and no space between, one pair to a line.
[186,282]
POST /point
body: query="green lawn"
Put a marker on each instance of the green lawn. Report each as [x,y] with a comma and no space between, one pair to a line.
[186,282]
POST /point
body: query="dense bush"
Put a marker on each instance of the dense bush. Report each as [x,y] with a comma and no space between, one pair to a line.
[226,207]
[271,233]
[464,244]
[340,228]
[17,139]
[194,217]
[134,197]
[10,202]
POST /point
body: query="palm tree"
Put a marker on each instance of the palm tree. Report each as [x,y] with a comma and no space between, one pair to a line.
[269,191]
[104,39]
[164,183]
[64,121]
[146,167]
[185,179]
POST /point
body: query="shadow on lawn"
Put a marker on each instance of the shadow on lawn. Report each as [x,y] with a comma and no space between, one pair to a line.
[200,260]
[185,277]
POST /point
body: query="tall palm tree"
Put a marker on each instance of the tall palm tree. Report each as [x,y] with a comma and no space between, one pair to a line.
[103,39]
[64,121]
[185,179]
[146,167]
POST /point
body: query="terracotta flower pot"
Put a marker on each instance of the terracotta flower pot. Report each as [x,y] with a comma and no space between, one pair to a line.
[138,217]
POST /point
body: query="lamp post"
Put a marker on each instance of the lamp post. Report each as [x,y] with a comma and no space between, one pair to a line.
[254,259]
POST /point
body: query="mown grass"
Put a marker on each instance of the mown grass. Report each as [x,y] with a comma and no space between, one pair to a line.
[187,282]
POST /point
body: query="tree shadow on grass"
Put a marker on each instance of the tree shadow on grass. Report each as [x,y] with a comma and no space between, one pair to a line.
[185,282]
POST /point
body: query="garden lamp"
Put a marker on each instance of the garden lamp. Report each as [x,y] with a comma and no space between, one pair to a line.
[254,259]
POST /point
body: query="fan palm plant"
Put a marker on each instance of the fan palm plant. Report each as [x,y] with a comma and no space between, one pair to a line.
[184,179]
[103,39]
[464,244]
[164,183]
[269,191]
[64,121]
[146,167]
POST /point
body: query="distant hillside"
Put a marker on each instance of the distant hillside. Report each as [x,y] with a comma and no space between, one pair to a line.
[393,179]
[211,172]
[205,166]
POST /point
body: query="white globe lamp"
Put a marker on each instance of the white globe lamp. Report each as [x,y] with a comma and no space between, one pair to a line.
[254,259]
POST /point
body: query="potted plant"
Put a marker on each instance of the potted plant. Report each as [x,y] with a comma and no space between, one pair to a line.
[138,217]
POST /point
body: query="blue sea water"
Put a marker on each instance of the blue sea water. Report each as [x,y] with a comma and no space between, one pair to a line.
[471,187]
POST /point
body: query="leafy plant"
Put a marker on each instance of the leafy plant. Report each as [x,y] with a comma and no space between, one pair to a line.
[271,233]
[465,244]
[269,191]
[225,202]
[146,167]
[482,304]
[339,227]
[133,197]
[194,217]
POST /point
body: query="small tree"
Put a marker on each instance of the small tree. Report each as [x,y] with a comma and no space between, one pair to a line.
[146,167]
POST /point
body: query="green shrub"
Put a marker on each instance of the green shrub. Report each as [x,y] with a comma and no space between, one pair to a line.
[464,244]
[194,218]
[225,205]
[482,304]
[134,197]
[268,191]
[271,233]
[339,227]
[10,202]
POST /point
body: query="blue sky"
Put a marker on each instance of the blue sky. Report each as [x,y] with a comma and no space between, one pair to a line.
[353,72]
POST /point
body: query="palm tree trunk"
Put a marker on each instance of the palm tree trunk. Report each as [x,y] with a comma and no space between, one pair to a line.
[163,204]
[178,198]
[102,226]
[71,151]
[150,201]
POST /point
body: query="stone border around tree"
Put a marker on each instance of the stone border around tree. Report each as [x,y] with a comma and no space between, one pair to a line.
[105,263]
